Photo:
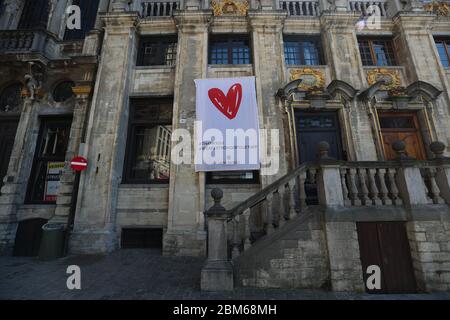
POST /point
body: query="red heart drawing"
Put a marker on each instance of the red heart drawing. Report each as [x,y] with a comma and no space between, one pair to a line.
[228,105]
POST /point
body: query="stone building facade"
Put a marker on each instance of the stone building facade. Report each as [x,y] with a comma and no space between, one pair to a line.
[325,71]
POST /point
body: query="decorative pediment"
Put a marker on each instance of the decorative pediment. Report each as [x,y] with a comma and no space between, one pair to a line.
[390,78]
[312,79]
[230,7]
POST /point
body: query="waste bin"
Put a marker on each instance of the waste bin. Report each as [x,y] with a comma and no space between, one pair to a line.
[52,241]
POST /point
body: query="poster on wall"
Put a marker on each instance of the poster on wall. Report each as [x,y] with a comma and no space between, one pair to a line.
[227,126]
[54,170]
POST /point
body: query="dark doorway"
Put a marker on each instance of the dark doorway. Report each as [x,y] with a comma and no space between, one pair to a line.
[7,135]
[141,238]
[386,245]
[312,128]
[28,237]
[404,127]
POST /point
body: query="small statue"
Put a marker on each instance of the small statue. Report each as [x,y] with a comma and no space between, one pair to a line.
[32,85]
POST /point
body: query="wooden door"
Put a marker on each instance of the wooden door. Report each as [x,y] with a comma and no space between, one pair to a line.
[386,245]
[7,135]
[403,127]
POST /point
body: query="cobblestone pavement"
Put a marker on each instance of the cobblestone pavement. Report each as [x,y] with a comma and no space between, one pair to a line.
[139,274]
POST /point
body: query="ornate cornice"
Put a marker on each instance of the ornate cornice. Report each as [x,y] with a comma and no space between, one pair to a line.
[230,7]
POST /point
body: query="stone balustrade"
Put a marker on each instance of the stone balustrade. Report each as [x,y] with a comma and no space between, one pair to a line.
[403,182]
[30,41]
[157,8]
[367,7]
[300,7]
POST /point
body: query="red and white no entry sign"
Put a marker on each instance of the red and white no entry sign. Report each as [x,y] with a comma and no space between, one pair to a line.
[79,164]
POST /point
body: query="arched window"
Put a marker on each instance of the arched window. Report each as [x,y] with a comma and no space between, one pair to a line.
[10,98]
[63,91]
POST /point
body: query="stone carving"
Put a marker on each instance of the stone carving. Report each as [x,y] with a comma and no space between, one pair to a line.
[230,7]
[312,79]
[438,7]
[33,81]
[391,78]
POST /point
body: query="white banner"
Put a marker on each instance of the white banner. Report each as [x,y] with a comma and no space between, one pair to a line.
[227,127]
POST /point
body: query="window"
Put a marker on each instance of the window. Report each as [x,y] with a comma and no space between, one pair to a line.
[157,51]
[443,47]
[229,49]
[232,177]
[34,15]
[10,98]
[302,51]
[376,52]
[88,14]
[63,91]
[149,138]
[48,160]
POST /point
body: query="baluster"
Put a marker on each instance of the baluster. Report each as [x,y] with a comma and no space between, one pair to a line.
[347,201]
[362,183]
[292,212]
[302,178]
[236,238]
[164,12]
[307,9]
[170,8]
[434,189]
[158,9]
[282,207]
[393,187]
[383,189]
[152,9]
[353,189]
[373,193]
[247,234]
[314,8]
[312,175]
[383,9]
[269,213]
[144,7]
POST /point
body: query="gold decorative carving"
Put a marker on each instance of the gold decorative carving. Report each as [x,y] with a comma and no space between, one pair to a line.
[230,7]
[438,7]
[313,79]
[391,76]
[81,90]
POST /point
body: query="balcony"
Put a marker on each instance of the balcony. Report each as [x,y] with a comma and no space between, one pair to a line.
[300,8]
[29,41]
[365,7]
[157,8]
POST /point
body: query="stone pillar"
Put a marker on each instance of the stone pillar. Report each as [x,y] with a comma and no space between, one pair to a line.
[267,37]
[217,274]
[64,198]
[185,231]
[94,226]
[417,52]
[15,180]
[343,57]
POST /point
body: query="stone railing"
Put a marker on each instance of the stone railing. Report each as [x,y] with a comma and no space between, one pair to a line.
[300,7]
[363,7]
[16,41]
[403,182]
[158,8]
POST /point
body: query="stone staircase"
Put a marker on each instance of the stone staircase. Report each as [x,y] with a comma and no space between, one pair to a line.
[316,246]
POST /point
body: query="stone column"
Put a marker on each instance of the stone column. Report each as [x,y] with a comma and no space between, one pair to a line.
[343,57]
[417,52]
[15,180]
[185,234]
[267,37]
[94,227]
[67,178]
[217,274]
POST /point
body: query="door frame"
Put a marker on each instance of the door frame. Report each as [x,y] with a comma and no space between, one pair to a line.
[393,113]
[329,111]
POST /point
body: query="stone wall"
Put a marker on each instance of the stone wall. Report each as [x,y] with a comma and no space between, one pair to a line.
[430,252]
